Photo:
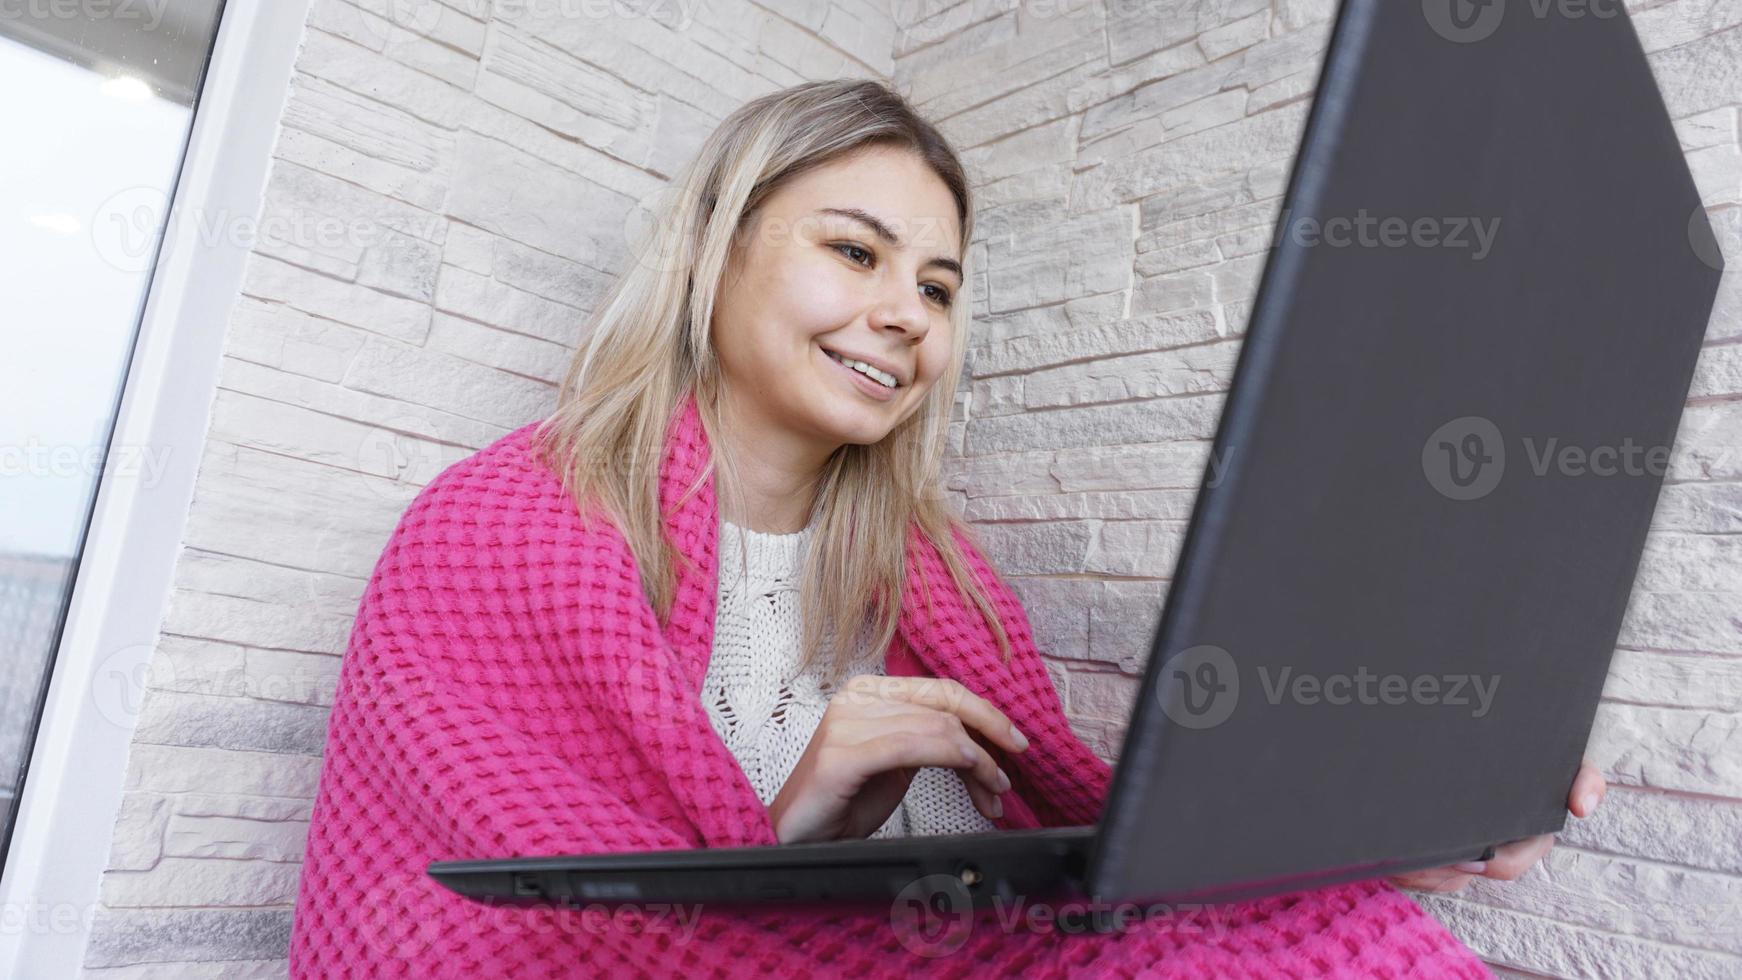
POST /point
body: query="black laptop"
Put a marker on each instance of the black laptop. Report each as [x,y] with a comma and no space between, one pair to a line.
[1392,617]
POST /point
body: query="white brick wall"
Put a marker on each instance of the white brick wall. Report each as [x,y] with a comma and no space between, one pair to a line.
[451,206]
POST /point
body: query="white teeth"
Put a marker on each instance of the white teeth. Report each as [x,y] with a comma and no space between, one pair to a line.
[883,378]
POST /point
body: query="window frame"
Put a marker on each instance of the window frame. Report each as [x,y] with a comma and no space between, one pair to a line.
[71,794]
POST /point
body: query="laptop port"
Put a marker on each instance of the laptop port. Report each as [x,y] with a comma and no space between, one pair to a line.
[526,883]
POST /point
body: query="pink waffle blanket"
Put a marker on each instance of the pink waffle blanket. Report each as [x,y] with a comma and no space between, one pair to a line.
[507,690]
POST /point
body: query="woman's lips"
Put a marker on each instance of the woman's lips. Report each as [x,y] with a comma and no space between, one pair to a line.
[860,381]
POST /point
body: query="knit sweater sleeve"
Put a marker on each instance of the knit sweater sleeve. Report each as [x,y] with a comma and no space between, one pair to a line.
[474,740]
[469,769]
[448,742]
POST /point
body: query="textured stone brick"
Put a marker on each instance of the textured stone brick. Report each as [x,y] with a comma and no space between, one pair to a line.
[1238,36]
[1183,371]
[1097,425]
[236,837]
[1093,338]
[1142,28]
[139,831]
[1145,549]
[565,94]
[174,718]
[310,292]
[193,882]
[1102,694]
[274,969]
[1546,947]
[1692,831]
[384,415]
[1108,505]
[502,189]
[355,68]
[1669,748]
[1625,895]
[236,620]
[1670,25]
[1679,680]
[1088,253]
[158,936]
[290,340]
[488,300]
[188,769]
[441,381]
[1703,73]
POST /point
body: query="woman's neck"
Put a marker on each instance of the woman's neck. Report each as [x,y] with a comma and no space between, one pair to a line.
[778,477]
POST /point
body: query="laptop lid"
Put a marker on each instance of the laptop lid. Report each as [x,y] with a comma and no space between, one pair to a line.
[1392,616]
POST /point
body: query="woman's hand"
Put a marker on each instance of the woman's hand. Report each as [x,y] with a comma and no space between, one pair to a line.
[875,734]
[1514,859]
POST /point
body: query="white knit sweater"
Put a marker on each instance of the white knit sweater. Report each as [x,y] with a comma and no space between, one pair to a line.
[766,712]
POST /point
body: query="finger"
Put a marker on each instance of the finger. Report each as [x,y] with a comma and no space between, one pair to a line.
[944,694]
[909,747]
[853,732]
[985,770]
[1437,880]
[1514,859]
[1457,881]
[1589,788]
[986,801]
[850,735]
[983,786]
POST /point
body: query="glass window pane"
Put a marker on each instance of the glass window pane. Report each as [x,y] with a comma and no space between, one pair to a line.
[86,171]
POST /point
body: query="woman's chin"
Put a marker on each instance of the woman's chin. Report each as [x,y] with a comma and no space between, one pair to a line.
[850,419]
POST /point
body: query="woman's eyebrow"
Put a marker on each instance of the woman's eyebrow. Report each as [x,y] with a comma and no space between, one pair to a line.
[888,235]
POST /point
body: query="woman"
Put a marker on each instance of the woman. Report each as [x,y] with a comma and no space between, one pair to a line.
[571,645]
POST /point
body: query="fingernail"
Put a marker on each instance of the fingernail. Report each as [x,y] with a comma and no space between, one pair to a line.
[997,807]
[1020,739]
[1003,782]
[1588,801]
[1473,867]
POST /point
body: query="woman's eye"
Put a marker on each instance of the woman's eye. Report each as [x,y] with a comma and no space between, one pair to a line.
[939,294]
[845,247]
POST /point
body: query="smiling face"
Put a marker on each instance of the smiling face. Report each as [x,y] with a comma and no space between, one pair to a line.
[858,257]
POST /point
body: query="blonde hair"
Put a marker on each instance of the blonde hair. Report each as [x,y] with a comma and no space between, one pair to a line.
[648,345]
